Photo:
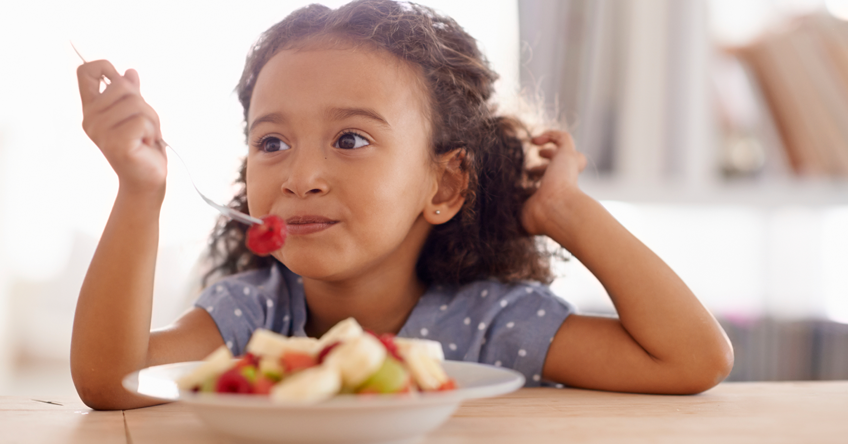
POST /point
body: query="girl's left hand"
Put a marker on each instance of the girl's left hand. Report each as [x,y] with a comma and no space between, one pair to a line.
[558,183]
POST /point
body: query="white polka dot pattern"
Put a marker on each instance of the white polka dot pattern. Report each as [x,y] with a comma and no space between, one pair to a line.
[487,321]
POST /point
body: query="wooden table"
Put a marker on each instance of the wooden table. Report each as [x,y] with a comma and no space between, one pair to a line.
[782,412]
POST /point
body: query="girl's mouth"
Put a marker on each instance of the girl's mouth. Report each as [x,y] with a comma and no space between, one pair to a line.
[303,225]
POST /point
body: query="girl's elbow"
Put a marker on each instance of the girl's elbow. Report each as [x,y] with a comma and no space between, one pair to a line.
[97,393]
[97,398]
[713,368]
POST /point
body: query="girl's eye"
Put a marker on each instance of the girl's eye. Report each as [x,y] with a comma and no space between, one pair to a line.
[272,145]
[349,141]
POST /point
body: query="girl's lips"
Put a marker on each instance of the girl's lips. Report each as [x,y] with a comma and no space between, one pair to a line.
[302,225]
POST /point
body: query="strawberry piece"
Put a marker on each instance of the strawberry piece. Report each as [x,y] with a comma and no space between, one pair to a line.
[248,359]
[263,385]
[232,381]
[268,237]
[450,384]
[326,351]
[388,341]
[294,361]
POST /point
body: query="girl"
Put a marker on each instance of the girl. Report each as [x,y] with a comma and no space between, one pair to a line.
[409,207]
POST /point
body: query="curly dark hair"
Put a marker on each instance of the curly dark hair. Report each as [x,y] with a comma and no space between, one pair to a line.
[486,238]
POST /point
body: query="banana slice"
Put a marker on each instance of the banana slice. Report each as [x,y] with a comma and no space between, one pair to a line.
[422,357]
[267,343]
[431,348]
[343,331]
[311,385]
[269,365]
[357,359]
[216,363]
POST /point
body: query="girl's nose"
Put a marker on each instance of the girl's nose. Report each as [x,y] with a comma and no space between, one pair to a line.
[306,174]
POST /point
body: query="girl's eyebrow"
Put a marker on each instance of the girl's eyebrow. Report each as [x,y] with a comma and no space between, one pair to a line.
[270,117]
[344,113]
[334,114]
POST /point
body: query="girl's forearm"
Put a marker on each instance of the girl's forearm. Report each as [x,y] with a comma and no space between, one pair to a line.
[654,305]
[112,321]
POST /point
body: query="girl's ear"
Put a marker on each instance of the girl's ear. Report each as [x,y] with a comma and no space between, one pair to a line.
[449,195]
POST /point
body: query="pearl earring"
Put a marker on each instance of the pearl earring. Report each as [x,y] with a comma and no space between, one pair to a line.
[438,212]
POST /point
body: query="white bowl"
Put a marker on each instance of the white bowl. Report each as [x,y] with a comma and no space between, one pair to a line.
[351,419]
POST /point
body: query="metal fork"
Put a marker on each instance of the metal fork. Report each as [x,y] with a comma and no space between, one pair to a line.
[226,211]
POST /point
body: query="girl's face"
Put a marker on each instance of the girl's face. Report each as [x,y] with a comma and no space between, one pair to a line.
[339,148]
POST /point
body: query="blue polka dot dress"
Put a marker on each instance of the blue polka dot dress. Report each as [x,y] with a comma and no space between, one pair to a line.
[505,325]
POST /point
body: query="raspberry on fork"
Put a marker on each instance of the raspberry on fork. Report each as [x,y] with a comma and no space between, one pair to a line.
[268,237]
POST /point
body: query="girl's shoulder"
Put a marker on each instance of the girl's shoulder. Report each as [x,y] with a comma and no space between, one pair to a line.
[492,322]
[487,304]
[268,281]
[269,298]
[486,292]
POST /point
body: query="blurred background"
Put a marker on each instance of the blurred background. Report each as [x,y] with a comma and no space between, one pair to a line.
[717,132]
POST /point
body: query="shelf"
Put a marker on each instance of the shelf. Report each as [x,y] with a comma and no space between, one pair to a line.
[812,193]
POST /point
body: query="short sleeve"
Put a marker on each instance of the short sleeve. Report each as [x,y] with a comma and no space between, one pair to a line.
[242,303]
[521,332]
[505,325]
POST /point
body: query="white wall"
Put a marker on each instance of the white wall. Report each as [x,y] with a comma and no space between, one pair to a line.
[5,315]
[744,262]
[60,189]
[190,56]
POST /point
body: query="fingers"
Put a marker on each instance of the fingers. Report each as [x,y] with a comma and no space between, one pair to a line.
[536,172]
[547,153]
[558,138]
[125,108]
[119,102]
[132,76]
[117,90]
[136,128]
[564,146]
[89,75]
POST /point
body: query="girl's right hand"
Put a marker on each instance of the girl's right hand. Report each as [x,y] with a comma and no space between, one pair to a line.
[123,126]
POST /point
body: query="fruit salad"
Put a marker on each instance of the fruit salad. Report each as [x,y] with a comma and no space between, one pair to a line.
[345,360]
[267,237]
